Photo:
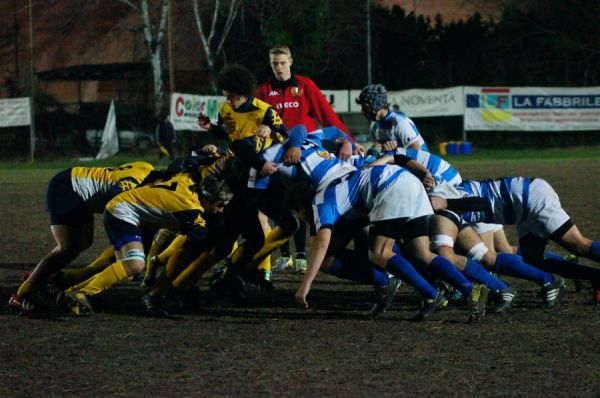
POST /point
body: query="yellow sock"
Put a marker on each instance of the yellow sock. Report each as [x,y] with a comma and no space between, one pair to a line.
[25,289]
[176,244]
[173,267]
[189,276]
[273,240]
[150,269]
[104,280]
[72,276]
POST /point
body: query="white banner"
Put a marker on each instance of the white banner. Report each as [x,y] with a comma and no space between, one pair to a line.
[110,138]
[532,108]
[421,102]
[338,99]
[186,107]
[15,112]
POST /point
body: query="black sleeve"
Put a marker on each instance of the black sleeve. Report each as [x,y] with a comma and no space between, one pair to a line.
[468,204]
[401,160]
[245,152]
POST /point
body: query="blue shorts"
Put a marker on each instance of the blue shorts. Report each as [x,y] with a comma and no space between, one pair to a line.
[63,204]
[120,232]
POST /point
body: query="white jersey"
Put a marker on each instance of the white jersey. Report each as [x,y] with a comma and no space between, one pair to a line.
[354,194]
[530,203]
[438,167]
[398,127]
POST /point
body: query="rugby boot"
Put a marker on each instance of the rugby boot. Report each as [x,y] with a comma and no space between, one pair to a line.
[21,304]
[430,307]
[551,291]
[78,304]
[385,296]
[152,305]
[283,264]
[301,266]
[503,299]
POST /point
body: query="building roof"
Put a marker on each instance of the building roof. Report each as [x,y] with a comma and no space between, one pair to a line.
[117,71]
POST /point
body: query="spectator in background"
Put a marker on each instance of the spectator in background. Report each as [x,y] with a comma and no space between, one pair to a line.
[298,100]
[166,137]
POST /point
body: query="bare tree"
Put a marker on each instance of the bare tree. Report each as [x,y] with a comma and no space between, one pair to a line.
[154,35]
[212,41]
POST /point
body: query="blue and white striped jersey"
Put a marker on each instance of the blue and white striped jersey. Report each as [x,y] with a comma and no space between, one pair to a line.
[438,167]
[318,164]
[508,197]
[353,195]
[399,127]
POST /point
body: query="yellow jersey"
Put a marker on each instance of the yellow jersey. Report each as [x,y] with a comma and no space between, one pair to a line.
[242,122]
[97,185]
[171,204]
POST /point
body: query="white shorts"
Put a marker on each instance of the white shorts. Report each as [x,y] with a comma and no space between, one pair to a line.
[482,228]
[404,198]
[546,214]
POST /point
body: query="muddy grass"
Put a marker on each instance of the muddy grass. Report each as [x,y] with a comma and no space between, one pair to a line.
[270,348]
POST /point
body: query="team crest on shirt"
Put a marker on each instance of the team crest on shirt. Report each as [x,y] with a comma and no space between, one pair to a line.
[324,154]
[296,91]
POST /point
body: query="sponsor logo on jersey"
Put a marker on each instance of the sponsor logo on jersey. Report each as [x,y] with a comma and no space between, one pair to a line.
[273,93]
[324,154]
[288,104]
[297,91]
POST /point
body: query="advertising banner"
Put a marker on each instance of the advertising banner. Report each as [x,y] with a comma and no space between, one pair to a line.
[15,112]
[186,107]
[532,108]
[338,99]
[421,102]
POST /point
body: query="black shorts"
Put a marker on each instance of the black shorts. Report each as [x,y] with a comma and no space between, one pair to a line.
[63,204]
[400,229]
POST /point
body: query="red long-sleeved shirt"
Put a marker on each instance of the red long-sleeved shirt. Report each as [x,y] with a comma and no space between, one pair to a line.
[299,101]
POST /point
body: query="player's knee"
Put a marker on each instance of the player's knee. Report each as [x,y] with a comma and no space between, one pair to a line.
[134,261]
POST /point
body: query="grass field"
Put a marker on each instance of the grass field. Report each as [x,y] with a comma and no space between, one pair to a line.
[270,348]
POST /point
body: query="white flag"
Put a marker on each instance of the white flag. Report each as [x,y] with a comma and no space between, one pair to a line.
[110,139]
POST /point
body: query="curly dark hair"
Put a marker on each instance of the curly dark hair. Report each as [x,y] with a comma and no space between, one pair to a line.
[237,79]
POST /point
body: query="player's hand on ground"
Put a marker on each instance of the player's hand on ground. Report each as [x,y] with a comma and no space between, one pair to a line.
[300,297]
[390,145]
[292,155]
[263,131]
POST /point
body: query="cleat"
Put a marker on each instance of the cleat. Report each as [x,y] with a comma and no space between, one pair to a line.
[151,305]
[78,303]
[477,302]
[283,264]
[503,299]
[385,296]
[431,305]
[551,291]
[301,266]
[20,304]
[454,296]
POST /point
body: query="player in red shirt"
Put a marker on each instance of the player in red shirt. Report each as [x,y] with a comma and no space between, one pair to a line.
[298,100]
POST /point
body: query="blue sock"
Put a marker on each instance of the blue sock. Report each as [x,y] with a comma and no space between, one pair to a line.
[446,271]
[474,271]
[553,256]
[347,265]
[595,250]
[512,265]
[400,267]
